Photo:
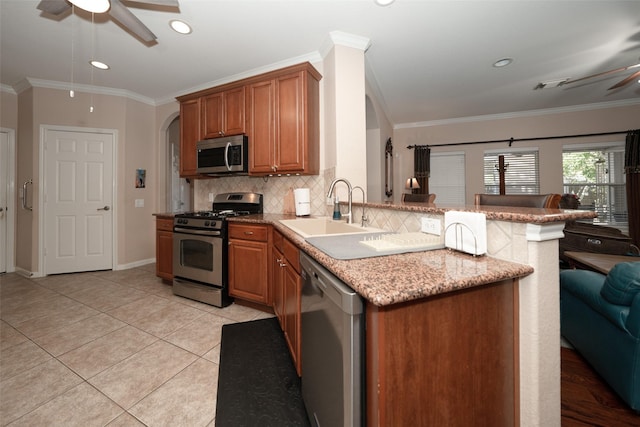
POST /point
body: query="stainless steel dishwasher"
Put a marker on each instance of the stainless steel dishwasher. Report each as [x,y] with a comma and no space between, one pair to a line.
[332,348]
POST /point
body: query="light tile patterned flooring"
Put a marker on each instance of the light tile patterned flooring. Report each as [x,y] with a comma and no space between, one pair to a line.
[109,348]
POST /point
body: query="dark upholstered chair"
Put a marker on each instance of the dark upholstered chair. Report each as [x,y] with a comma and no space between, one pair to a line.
[418,198]
[549,201]
[600,317]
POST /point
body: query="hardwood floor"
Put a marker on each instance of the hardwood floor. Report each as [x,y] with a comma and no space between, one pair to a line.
[587,400]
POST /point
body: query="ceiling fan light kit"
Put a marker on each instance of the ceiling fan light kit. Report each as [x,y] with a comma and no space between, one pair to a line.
[94,6]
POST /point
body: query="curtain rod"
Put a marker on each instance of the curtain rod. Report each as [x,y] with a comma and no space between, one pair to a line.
[512,140]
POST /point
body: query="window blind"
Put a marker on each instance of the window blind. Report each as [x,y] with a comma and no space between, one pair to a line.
[521,175]
[447,179]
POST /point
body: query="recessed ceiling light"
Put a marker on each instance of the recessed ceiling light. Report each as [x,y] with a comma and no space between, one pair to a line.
[502,62]
[99,64]
[180,26]
[383,2]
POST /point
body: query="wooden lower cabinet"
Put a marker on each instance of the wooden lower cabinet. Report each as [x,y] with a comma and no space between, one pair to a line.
[448,360]
[164,248]
[248,262]
[287,291]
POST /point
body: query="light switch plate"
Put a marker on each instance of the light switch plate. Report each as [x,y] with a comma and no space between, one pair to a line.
[139,203]
[211,197]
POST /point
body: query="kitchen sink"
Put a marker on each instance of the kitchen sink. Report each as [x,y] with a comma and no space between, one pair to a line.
[324,226]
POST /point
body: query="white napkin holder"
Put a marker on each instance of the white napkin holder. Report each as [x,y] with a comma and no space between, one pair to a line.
[466,232]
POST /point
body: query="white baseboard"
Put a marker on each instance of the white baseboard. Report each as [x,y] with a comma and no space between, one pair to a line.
[135,264]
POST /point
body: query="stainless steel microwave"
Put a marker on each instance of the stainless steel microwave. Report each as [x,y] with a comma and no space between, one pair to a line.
[223,156]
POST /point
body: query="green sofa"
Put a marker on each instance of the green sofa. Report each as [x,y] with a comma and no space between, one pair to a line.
[600,317]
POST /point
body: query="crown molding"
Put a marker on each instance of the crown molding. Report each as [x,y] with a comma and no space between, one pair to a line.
[340,38]
[520,114]
[312,57]
[7,89]
[29,82]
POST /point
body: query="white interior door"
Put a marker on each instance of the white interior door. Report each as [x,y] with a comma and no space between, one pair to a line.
[4,176]
[78,196]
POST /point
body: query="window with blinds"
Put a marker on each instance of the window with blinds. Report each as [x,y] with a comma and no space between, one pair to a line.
[521,175]
[447,178]
[596,175]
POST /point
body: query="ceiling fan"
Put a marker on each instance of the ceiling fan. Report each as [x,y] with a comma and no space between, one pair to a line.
[621,83]
[115,8]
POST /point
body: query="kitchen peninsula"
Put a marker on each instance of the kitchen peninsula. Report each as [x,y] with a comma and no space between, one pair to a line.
[457,340]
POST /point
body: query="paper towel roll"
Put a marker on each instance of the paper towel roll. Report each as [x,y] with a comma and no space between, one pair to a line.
[302,198]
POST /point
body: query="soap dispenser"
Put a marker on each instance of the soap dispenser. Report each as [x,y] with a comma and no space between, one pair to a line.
[336,209]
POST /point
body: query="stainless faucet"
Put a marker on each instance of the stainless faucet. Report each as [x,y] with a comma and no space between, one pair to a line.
[330,194]
[364,218]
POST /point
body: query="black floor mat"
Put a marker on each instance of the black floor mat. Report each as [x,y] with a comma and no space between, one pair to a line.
[257,384]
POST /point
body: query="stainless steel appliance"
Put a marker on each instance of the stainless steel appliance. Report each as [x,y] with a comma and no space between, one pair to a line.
[332,348]
[200,247]
[223,156]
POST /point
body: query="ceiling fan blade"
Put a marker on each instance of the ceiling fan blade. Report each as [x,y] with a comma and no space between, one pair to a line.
[54,7]
[604,73]
[170,3]
[120,13]
[624,82]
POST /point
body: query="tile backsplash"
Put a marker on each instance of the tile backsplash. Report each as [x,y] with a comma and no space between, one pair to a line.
[273,188]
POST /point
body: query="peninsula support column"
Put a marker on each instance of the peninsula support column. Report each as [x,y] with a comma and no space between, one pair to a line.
[539,315]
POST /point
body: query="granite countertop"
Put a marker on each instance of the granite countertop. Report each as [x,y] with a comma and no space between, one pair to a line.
[497,213]
[167,215]
[399,278]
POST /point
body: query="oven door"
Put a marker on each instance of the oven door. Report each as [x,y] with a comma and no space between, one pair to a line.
[198,257]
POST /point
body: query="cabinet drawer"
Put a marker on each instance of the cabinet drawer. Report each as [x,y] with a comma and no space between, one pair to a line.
[165,224]
[292,254]
[248,232]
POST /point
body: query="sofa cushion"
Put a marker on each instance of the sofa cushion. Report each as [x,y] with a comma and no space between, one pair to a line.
[622,283]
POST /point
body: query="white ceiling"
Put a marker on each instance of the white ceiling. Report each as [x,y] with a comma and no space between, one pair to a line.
[431,60]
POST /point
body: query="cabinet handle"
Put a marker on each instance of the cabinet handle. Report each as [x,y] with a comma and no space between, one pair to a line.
[282,264]
[221,133]
[274,168]
[249,233]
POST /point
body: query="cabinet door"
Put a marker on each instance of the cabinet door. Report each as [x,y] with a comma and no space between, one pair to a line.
[189,136]
[248,271]
[290,123]
[164,254]
[234,111]
[212,115]
[261,127]
[277,284]
[292,293]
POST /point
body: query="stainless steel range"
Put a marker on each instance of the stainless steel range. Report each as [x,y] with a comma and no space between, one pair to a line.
[200,247]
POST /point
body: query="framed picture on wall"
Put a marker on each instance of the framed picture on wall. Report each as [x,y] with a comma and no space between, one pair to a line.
[140,178]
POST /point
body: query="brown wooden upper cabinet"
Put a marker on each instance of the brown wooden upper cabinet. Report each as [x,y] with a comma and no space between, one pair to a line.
[279,111]
[223,113]
[283,123]
[189,136]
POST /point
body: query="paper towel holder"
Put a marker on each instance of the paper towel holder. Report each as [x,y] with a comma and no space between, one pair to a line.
[458,226]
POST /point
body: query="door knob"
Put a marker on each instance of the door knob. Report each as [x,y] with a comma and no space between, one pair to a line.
[1,209]
[106,208]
